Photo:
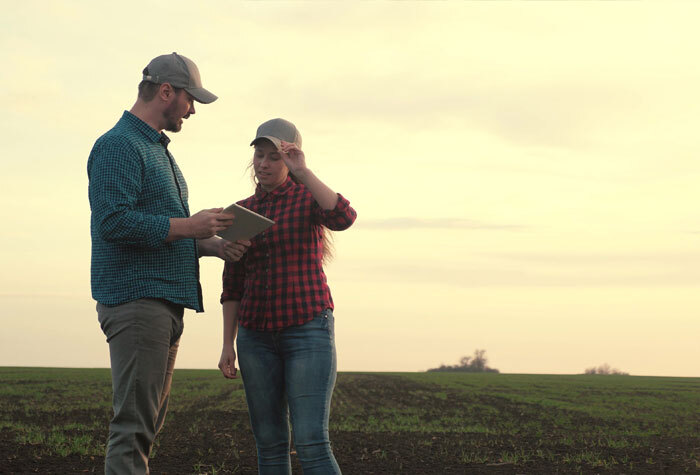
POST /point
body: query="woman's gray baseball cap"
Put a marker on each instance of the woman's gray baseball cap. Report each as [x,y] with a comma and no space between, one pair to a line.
[276,130]
[179,72]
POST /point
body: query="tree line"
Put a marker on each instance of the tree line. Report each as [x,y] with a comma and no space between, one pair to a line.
[469,364]
[606,370]
[477,364]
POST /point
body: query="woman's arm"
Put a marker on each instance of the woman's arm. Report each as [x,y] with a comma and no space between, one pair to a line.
[296,162]
[227,363]
[324,196]
[223,249]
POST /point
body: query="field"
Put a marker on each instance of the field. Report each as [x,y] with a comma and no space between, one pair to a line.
[55,421]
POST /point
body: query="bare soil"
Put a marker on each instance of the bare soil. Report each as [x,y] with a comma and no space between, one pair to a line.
[222,443]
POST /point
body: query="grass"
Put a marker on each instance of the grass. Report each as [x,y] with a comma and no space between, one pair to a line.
[625,405]
[535,422]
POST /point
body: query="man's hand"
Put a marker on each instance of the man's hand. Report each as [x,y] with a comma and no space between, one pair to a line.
[227,363]
[208,222]
[232,251]
[202,225]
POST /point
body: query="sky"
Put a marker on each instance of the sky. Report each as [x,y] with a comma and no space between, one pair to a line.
[525,174]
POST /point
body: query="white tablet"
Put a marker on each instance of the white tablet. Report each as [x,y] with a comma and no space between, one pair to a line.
[246,224]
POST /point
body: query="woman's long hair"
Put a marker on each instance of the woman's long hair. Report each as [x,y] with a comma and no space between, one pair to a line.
[326,234]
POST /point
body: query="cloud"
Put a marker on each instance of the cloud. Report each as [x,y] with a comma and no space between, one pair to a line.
[484,274]
[562,112]
[486,269]
[433,223]
[668,260]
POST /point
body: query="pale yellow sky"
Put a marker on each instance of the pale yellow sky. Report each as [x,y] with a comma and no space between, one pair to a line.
[525,174]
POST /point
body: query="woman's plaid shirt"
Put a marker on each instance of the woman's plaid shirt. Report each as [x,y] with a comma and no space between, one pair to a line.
[280,282]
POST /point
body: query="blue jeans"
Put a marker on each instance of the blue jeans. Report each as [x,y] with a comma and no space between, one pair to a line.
[290,373]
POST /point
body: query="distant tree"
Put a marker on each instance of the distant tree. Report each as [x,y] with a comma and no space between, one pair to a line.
[605,369]
[479,360]
[469,364]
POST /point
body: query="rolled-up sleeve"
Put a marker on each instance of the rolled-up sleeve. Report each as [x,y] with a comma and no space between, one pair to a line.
[116,172]
[339,218]
[233,278]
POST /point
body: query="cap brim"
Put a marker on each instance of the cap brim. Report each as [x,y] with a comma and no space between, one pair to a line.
[275,141]
[201,95]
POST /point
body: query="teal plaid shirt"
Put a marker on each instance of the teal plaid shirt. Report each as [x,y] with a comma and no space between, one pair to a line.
[135,186]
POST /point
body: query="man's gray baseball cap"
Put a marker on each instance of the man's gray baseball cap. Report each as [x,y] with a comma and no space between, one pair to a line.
[276,130]
[179,72]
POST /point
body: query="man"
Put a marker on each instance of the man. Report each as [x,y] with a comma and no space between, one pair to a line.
[145,249]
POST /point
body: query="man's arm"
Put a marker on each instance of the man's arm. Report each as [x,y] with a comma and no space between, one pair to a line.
[115,171]
[202,225]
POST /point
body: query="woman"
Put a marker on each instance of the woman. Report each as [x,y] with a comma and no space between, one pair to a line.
[276,302]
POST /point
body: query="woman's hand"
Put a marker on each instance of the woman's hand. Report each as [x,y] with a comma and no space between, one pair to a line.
[227,363]
[232,252]
[293,157]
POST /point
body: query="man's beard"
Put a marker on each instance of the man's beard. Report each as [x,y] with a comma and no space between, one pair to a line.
[172,123]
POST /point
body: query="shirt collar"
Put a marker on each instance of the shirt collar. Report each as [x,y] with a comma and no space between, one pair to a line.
[261,194]
[152,134]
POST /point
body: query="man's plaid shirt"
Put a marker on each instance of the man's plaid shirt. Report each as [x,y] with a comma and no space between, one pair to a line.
[135,188]
[280,280]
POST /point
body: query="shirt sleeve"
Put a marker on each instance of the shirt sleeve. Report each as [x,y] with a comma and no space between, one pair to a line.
[339,218]
[115,172]
[233,279]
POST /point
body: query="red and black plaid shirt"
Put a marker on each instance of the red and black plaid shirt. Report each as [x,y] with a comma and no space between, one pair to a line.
[280,282]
